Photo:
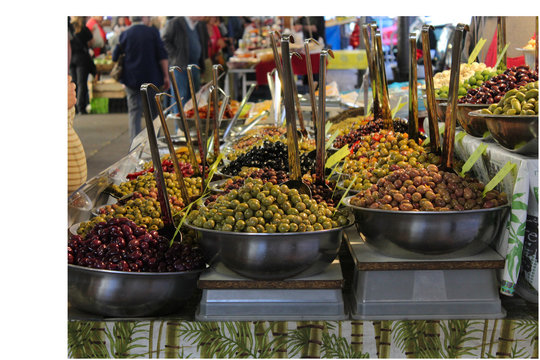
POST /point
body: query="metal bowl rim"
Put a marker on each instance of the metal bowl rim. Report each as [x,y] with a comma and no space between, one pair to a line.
[476,113]
[134,274]
[297,233]
[473,105]
[346,201]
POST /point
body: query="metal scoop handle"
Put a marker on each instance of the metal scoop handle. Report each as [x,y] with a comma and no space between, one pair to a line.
[321,118]
[434,138]
[413,90]
[309,71]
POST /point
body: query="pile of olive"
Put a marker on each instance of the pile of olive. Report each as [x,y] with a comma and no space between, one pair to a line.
[321,193]
[428,189]
[270,155]
[373,126]
[146,184]
[494,89]
[475,81]
[266,208]
[522,101]
[379,154]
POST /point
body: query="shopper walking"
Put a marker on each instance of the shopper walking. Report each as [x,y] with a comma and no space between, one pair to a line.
[186,40]
[145,62]
[81,64]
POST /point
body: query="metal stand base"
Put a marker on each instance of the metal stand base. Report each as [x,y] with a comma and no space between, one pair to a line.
[272,304]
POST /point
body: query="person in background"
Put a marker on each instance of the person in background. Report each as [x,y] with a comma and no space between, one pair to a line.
[120,24]
[235,30]
[77,167]
[186,41]
[217,41]
[81,64]
[99,38]
[312,27]
[145,61]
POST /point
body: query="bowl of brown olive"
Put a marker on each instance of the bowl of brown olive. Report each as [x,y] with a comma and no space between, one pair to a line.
[432,214]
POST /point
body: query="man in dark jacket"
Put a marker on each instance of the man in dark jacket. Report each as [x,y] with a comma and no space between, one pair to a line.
[145,61]
[186,41]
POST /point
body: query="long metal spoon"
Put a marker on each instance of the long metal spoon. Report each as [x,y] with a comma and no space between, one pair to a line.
[383,87]
[215,73]
[194,101]
[292,136]
[451,109]
[168,229]
[321,120]
[434,138]
[181,113]
[413,130]
[172,151]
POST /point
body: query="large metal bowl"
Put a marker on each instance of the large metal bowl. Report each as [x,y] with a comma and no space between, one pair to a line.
[473,125]
[272,256]
[441,108]
[129,294]
[425,234]
[517,133]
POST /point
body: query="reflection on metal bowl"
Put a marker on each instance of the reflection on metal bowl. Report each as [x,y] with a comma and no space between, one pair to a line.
[422,234]
[473,125]
[272,256]
[517,133]
[129,294]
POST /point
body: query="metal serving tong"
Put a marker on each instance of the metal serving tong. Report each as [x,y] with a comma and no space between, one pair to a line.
[311,83]
[382,83]
[450,116]
[182,115]
[434,138]
[237,115]
[413,90]
[366,28]
[215,73]
[321,120]
[279,67]
[194,101]
[168,229]
[172,152]
[292,136]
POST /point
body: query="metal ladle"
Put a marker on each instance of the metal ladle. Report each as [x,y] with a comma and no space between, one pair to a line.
[194,101]
[292,136]
[383,84]
[434,138]
[237,115]
[168,229]
[451,109]
[321,120]
[372,71]
[215,73]
[182,115]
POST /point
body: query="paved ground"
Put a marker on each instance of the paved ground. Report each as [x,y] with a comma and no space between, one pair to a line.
[105,139]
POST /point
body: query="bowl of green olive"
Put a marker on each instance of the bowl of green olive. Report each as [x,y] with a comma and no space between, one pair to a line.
[269,232]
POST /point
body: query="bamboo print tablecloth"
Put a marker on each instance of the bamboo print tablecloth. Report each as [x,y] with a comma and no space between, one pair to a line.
[174,338]
[522,187]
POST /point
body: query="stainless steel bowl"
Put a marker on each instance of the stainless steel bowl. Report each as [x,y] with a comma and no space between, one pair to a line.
[425,234]
[129,294]
[217,186]
[441,109]
[272,256]
[473,125]
[517,133]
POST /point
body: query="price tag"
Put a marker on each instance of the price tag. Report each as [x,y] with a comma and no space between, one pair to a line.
[460,135]
[346,191]
[498,177]
[337,157]
[327,127]
[472,159]
[476,50]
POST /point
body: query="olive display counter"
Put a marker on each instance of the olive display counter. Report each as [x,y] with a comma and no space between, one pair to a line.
[347,310]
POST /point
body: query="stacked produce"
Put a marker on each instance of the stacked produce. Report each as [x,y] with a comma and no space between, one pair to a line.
[378,154]
[427,189]
[230,110]
[167,165]
[120,244]
[522,101]
[266,208]
[270,155]
[473,82]
[494,89]
[370,127]
[466,71]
